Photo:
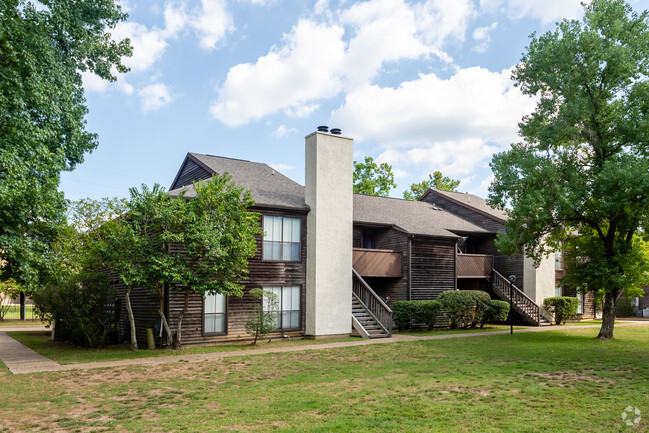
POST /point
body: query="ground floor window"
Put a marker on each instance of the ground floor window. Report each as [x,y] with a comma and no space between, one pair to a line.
[287,307]
[215,314]
[558,291]
[580,307]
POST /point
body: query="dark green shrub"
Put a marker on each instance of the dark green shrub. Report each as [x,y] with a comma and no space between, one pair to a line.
[461,306]
[563,307]
[405,313]
[624,307]
[482,302]
[83,307]
[497,312]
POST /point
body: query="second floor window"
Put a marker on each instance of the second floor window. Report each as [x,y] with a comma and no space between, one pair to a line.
[282,238]
[558,259]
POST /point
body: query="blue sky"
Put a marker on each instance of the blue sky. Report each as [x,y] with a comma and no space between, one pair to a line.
[423,86]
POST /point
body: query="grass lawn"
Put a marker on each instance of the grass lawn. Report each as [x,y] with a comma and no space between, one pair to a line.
[17,322]
[64,353]
[562,380]
[446,331]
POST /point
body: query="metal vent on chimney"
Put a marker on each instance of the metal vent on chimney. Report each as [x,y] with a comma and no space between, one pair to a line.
[323,128]
[335,131]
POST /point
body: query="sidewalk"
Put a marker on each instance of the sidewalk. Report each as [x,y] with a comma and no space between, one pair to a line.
[20,359]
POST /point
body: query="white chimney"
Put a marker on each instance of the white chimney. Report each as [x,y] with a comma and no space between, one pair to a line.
[329,188]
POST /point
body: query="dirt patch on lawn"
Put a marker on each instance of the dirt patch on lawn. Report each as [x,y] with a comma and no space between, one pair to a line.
[563,378]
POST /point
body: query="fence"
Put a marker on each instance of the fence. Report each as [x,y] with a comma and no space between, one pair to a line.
[12,311]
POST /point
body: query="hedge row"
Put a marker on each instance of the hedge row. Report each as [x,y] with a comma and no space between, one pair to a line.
[407,313]
[463,308]
[563,307]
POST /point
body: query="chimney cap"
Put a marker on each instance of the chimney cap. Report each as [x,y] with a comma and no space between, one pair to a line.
[335,131]
[323,128]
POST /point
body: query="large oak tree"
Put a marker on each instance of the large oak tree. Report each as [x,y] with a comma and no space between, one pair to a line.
[582,169]
[44,48]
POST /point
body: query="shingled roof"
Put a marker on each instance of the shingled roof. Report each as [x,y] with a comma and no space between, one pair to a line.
[269,187]
[414,217]
[470,201]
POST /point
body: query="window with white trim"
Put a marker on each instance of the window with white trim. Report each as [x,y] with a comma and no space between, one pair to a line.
[215,318]
[282,237]
[558,259]
[287,308]
[580,307]
[558,291]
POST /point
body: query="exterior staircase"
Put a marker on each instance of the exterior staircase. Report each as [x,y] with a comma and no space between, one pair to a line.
[371,317]
[522,304]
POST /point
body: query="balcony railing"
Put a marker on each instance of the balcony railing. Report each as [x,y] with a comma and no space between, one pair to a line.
[474,265]
[377,263]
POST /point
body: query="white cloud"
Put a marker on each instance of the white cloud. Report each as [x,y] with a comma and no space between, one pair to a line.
[472,103]
[331,53]
[546,11]
[281,167]
[482,35]
[212,22]
[154,96]
[306,68]
[281,132]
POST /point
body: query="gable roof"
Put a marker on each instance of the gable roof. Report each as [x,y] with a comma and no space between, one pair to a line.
[469,201]
[414,217]
[269,187]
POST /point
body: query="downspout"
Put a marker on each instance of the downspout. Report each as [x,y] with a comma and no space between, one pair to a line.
[455,264]
[410,267]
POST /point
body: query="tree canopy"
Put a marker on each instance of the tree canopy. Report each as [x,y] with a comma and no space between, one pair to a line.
[435,181]
[373,179]
[43,51]
[582,170]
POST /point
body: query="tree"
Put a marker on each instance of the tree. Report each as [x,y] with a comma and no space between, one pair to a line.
[583,168]
[43,50]
[373,179]
[435,181]
[262,320]
[197,245]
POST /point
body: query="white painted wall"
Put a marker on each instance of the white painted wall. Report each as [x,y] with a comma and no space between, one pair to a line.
[329,187]
[539,282]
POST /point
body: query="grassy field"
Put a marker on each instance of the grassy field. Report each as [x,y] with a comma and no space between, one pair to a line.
[64,353]
[555,381]
[447,331]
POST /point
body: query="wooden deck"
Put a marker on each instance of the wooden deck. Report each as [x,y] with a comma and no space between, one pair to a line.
[474,265]
[377,263]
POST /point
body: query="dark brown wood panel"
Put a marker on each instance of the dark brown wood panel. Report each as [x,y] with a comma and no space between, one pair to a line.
[474,265]
[433,267]
[377,263]
[189,173]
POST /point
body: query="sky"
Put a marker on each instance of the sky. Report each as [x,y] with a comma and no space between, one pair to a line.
[423,86]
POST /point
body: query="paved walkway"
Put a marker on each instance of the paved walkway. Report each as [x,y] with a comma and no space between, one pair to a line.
[20,359]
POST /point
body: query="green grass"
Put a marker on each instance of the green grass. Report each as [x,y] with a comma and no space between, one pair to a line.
[65,353]
[17,322]
[588,322]
[446,331]
[562,380]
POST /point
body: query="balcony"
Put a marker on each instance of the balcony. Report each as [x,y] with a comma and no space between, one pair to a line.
[474,265]
[377,263]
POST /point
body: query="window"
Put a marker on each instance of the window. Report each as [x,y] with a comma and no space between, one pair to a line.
[282,238]
[287,308]
[558,291]
[558,259]
[215,314]
[580,307]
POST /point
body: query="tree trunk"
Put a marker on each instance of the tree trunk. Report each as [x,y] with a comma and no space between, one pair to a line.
[131,320]
[176,341]
[608,317]
[165,325]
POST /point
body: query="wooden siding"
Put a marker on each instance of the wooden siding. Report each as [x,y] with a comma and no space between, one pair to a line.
[189,173]
[262,273]
[474,265]
[377,263]
[433,267]
[386,238]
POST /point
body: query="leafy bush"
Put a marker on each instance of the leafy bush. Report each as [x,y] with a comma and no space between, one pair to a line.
[563,307]
[262,321]
[497,312]
[83,307]
[405,313]
[464,308]
[624,307]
